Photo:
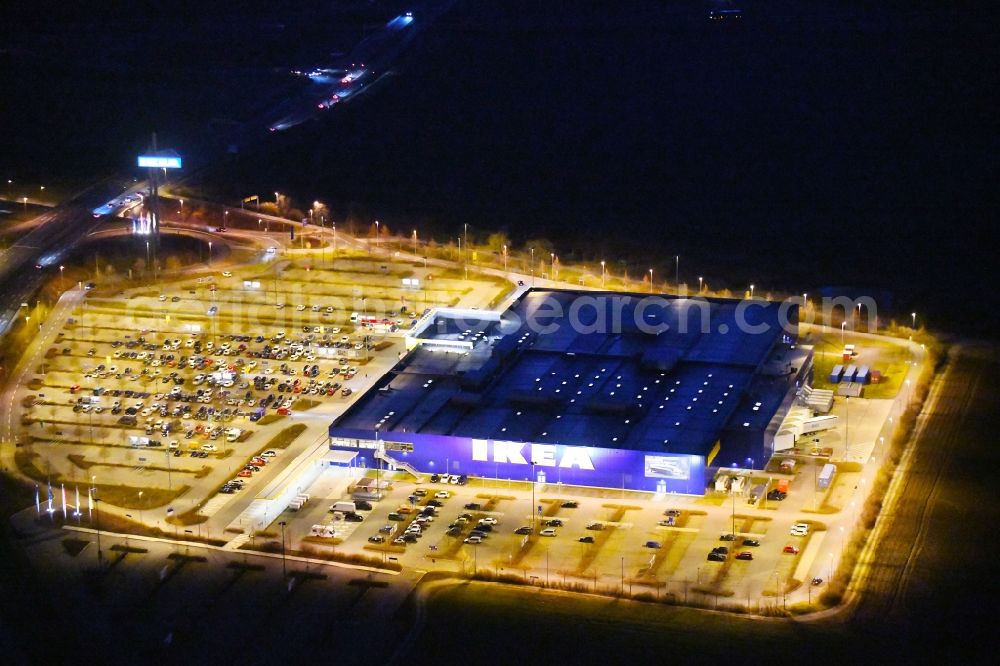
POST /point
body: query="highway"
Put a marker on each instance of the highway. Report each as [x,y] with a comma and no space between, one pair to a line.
[55,231]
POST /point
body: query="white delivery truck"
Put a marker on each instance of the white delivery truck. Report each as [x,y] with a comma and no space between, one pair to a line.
[344,506]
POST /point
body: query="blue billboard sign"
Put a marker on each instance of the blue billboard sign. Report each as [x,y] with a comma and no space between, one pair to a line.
[553,463]
[160,161]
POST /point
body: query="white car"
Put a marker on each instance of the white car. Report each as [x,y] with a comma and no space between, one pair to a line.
[547,532]
[442,494]
[315,308]
[800,529]
[209,447]
[226,274]
[489,520]
[300,307]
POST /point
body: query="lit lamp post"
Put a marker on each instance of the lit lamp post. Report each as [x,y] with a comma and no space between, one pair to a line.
[651,280]
[225,219]
[209,252]
[533,496]
[414,242]
[843,326]
[751,292]
[555,274]
[504,258]
[140,503]
[913,320]
[61,269]
[701,282]
[284,569]
[603,274]
[377,229]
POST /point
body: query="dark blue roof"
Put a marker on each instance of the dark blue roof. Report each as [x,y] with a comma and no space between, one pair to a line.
[590,380]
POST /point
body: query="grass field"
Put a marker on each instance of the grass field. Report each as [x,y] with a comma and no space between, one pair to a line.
[511,624]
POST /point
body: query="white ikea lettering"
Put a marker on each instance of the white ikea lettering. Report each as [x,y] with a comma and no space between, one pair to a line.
[544,454]
[479,451]
[504,452]
[576,457]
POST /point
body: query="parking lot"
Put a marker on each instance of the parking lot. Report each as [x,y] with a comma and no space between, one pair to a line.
[177,391]
[574,536]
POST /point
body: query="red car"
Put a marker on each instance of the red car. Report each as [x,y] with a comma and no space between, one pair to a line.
[245,473]
[74,388]
[791,549]
[284,411]
[744,555]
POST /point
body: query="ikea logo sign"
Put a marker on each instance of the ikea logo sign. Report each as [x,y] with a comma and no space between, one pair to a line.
[543,455]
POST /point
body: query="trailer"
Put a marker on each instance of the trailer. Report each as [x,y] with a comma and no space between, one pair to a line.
[819,423]
[862,377]
[781,485]
[826,476]
[788,465]
[836,373]
[756,493]
[849,373]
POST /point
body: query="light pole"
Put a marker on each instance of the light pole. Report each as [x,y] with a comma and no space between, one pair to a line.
[61,269]
[843,326]
[466,236]
[414,242]
[913,320]
[225,219]
[209,252]
[377,228]
[555,274]
[284,569]
[603,274]
[701,282]
[182,209]
[751,292]
[140,502]
[504,258]
[677,272]
[651,280]
[532,496]
[24,200]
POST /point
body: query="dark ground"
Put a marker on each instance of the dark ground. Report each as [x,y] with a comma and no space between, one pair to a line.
[810,144]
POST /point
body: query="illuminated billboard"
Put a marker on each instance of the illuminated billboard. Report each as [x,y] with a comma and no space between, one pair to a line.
[160,161]
[553,463]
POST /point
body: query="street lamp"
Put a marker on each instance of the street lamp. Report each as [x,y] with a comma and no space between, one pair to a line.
[651,280]
[843,325]
[701,281]
[414,242]
[140,502]
[913,319]
[751,292]
[284,570]
[504,258]
[603,274]
[377,228]
[225,218]
[209,252]
[533,463]
[61,269]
